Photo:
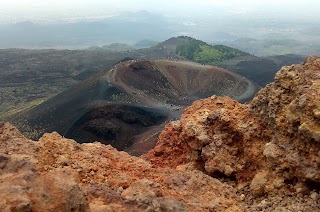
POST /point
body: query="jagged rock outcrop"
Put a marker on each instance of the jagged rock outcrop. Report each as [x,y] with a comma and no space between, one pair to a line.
[24,189]
[270,144]
[290,107]
[58,174]
[218,135]
[220,156]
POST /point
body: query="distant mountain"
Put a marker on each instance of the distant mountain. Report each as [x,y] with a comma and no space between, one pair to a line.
[116,47]
[28,77]
[275,46]
[124,28]
[145,43]
[202,52]
[119,47]
[262,37]
[260,69]
[172,43]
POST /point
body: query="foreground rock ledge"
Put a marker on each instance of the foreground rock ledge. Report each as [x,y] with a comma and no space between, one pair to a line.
[220,156]
[58,174]
[269,144]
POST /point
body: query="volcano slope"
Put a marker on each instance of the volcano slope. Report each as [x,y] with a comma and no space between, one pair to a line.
[128,105]
[220,156]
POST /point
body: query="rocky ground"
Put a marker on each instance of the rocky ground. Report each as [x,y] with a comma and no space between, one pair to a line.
[220,156]
[58,174]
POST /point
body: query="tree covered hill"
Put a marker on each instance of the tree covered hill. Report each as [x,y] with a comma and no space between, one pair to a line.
[202,52]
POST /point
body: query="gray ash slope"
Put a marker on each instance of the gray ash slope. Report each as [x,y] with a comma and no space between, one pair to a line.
[129,103]
[29,77]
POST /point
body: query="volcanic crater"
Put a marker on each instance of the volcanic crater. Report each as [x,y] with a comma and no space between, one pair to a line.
[128,105]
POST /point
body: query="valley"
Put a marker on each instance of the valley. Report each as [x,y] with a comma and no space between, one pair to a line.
[122,106]
[123,98]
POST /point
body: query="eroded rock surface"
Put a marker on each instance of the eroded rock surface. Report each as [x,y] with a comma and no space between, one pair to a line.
[220,156]
[270,145]
[290,107]
[58,174]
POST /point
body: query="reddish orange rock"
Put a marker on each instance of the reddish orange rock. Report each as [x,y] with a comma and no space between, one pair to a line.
[220,156]
[218,133]
[58,174]
[275,137]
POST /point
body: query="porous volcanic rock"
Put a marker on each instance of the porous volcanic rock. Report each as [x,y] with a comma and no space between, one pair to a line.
[290,107]
[270,145]
[220,156]
[58,174]
[218,135]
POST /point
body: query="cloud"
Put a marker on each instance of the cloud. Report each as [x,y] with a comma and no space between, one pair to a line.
[55,9]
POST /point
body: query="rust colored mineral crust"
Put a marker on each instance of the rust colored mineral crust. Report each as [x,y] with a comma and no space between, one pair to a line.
[58,174]
[269,143]
[220,156]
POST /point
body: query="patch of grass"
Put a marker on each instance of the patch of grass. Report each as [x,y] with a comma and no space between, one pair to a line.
[21,108]
[202,52]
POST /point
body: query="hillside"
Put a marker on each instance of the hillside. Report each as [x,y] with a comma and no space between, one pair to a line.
[202,52]
[129,103]
[269,147]
[259,69]
[220,156]
[29,77]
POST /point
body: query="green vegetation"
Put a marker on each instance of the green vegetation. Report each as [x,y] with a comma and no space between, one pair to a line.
[19,108]
[202,52]
[28,77]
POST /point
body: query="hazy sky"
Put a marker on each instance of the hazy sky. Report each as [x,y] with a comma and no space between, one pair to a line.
[35,10]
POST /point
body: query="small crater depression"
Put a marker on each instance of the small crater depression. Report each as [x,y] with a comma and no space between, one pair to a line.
[116,125]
